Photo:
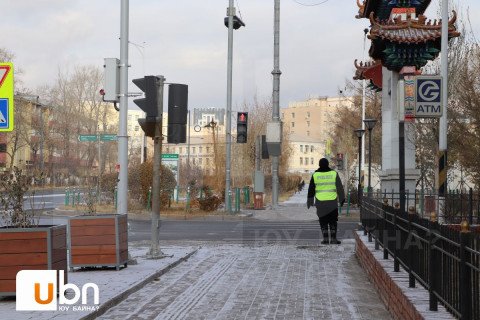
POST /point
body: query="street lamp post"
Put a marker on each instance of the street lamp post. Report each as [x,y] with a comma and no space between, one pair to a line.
[359,133]
[370,123]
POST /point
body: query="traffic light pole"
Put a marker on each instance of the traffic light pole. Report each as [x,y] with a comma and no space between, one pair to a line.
[228,140]
[155,252]
[122,125]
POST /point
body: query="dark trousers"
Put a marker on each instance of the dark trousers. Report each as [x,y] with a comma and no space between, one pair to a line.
[329,220]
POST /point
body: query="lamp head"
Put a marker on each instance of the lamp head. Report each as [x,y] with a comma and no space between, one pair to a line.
[370,123]
[359,132]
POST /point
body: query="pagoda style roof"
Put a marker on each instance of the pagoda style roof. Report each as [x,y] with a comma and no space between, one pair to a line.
[413,42]
[370,71]
[410,30]
[383,8]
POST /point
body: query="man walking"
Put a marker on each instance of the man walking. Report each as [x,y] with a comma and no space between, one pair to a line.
[326,187]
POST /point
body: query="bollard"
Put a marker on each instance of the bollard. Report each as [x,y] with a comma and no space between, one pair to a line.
[149,198]
[67,196]
[116,196]
[73,198]
[188,198]
[348,202]
[230,201]
[178,191]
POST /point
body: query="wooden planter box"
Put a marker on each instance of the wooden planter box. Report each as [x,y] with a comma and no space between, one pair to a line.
[39,248]
[98,241]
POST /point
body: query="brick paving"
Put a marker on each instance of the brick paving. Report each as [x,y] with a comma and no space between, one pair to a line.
[274,281]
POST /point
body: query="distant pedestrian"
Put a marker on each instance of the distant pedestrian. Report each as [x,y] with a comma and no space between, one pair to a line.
[325,189]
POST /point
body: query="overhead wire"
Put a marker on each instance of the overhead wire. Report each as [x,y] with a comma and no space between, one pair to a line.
[310,5]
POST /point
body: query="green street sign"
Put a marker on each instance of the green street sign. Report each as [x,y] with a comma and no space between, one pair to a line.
[170,156]
[108,137]
[87,137]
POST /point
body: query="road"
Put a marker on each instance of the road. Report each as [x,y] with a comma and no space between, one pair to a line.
[237,231]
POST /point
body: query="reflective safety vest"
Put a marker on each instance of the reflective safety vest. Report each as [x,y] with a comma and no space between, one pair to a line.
[325,185]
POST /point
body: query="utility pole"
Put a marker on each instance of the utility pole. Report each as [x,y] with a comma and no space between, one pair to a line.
[228,128]
[122,125]
[443,120]
[276,97]
[155,252]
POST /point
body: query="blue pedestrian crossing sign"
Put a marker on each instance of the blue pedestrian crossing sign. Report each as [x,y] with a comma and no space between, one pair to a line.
[6,97]
[428,96]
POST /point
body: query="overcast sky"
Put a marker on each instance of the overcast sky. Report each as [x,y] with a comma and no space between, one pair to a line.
[186,41]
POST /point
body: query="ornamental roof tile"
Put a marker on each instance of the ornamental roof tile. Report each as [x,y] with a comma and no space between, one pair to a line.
[383,8]
[410,30]
[369,71]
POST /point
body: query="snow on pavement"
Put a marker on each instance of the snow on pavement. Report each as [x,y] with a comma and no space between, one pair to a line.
[259,282]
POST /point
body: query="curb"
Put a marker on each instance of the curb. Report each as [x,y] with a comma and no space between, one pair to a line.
[122,296]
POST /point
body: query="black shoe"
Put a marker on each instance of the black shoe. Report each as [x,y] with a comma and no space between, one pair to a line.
[335,241]
[324,242]
[325,236]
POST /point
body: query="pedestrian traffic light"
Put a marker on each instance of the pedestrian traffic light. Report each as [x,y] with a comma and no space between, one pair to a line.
[242,123]
[177,113]
[340,161]
[149,104]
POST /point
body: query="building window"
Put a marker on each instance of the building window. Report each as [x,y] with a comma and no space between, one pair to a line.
[324,123]
[200,150]
[193,149]
[137,128]
[308,123]
[282,115]
[311,159]
[3,147]
[306,147]
[301,161]
[129,127]
[130,117]
[308,114]
[311,148]
[208,161]
[208,149]
[308,134]
[301,148]
[325,113]
[293,114]
[293,124]
[200,161]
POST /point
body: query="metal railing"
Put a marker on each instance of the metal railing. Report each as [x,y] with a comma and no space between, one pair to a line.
[445,259]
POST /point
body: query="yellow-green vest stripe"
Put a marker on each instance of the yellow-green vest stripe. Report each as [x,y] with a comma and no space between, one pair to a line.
[325,185]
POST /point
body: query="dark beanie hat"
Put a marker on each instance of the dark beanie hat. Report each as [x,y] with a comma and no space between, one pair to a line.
[323,163]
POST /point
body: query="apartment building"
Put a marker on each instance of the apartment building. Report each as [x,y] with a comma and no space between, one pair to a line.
[311,123]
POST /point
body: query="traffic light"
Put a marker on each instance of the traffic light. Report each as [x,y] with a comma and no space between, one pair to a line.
[149,104]
[264,147]
[340,161]
[242,122]
[177,113]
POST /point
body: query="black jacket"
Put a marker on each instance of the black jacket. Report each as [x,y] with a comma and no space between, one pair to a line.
[325,207]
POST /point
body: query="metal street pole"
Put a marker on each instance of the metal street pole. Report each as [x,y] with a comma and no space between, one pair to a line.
[155,252]
[188,148]
[122,124]
[41,137]
[370,162]
[443,120]
[228,128]
[276,97]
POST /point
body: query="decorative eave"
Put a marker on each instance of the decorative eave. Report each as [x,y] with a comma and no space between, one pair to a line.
[410,30]
[369,71]
[383,8]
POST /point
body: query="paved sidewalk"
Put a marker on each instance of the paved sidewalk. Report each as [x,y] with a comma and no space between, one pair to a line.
[268,282]
[113,285]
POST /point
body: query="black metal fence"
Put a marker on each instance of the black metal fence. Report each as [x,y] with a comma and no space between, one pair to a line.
[445,259]
[454,207]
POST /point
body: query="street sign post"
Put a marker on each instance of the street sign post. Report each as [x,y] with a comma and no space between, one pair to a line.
[6,97]
[428,96]
[87,137]
[108,137]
